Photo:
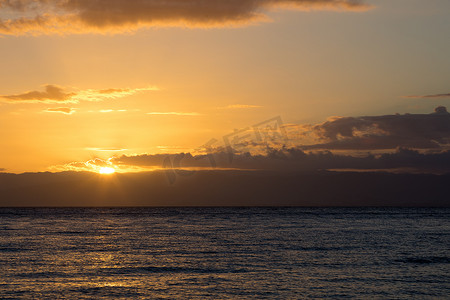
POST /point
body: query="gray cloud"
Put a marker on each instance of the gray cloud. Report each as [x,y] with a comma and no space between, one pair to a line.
[97,16]
[286,159]
[418,131]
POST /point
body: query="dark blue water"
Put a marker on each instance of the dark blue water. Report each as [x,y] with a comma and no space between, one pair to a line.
[224,253]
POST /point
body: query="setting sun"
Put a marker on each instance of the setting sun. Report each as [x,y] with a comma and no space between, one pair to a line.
[107,170]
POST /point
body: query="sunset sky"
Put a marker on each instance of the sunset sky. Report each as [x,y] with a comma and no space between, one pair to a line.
[87,79]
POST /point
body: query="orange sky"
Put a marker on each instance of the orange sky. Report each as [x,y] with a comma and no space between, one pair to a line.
[81,79]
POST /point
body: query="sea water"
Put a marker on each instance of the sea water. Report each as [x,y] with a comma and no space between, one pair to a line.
[224,253]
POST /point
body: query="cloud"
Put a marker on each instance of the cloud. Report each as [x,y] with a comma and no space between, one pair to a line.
[365,133]
[294,159]
[239,106]
[100,16]
[93,165]
[96,164]
[112,110]
[99,95]
[174,113]
[2,169]
[417,131]
[50,93]
[430,96]
[405,143]
[280,160]
[58,94]
[63,110]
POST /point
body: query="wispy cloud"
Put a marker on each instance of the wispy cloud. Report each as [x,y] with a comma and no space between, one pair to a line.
[62,110]
[178,148]
[240,106]
[174,113]
[100,16]
[100,95]
[58,94]
[112,110]
[447,95]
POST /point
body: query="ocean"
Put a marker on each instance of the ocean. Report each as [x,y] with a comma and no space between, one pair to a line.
[224,253]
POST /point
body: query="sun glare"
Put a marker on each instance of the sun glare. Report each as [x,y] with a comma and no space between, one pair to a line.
[107,170]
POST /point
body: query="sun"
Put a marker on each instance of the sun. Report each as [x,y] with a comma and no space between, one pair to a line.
[106,170]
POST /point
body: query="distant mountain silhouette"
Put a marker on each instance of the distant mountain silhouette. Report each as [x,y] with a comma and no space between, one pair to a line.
[225,188]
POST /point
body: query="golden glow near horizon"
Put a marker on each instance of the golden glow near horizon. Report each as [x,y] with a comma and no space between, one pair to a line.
[107,170]
[74,88]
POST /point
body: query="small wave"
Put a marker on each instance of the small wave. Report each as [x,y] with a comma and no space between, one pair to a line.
[109,291]
[343,248]
[45,275]
[425,260]
[172,270]
[12,249]
[70,232]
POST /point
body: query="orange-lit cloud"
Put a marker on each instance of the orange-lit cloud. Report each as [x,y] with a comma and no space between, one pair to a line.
[100,16]
[57,94]
[96,165]
[62,110]
[93,165]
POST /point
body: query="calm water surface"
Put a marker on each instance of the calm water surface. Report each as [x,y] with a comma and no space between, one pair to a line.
[224,253]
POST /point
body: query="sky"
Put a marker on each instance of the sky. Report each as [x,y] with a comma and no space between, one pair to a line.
[89,84]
